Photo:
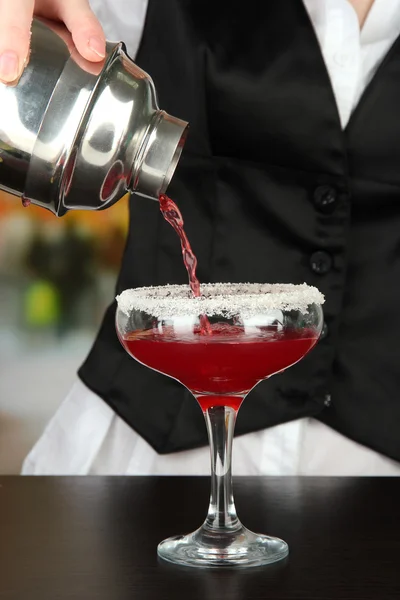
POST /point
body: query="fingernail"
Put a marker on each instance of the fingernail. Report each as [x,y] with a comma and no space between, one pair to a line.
[9,66]
[96,44]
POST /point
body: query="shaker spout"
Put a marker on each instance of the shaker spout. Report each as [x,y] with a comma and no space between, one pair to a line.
[159,156]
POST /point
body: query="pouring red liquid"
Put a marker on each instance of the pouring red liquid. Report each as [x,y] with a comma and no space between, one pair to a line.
[173,216]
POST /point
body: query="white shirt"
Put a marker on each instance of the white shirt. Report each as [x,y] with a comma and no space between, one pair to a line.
[351,57]
[85,436]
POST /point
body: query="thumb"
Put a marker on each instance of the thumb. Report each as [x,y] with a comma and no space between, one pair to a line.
[86,30]
[15,28]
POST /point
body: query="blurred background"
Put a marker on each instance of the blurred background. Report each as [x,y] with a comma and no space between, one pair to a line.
[56,278]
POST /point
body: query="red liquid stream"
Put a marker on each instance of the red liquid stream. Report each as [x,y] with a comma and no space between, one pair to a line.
[221,368]
[172,215]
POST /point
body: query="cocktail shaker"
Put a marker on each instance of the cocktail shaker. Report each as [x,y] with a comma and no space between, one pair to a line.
[80,135]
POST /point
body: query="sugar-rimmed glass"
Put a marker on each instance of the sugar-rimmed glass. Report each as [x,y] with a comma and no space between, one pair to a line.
[220,346]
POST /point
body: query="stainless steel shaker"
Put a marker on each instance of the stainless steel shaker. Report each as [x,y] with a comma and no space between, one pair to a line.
[79,135]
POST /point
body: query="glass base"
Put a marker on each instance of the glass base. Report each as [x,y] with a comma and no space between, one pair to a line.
[223,548]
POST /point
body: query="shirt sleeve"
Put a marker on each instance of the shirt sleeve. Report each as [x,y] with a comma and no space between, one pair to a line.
[122,21]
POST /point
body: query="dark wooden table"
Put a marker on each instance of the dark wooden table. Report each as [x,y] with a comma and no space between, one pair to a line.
[95,538]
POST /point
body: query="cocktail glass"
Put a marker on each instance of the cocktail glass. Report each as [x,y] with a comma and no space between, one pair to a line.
[220,346]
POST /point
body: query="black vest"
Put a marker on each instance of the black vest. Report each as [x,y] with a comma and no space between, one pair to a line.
[271,190]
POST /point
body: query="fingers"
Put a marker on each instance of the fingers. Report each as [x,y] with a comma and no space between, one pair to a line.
[86,31]
[15,27]
[15,34]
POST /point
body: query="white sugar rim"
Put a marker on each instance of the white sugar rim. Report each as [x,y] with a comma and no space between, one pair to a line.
[225,299]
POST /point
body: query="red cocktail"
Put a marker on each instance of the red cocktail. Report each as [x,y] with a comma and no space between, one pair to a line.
[253,332]
[220,368]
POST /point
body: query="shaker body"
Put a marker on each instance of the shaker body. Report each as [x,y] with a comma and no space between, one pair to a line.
[80,135]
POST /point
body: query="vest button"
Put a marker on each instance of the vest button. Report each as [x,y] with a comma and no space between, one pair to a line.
[321,262]
[324,331]
[325,199]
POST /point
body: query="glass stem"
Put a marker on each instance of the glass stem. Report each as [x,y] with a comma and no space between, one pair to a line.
[220,421]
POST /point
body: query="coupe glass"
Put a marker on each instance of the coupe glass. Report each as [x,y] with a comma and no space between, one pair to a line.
[220,346]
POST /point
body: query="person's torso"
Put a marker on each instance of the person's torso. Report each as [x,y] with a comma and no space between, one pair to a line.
[271,189]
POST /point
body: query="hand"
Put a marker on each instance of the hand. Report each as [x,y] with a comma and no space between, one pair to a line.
[15,26]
